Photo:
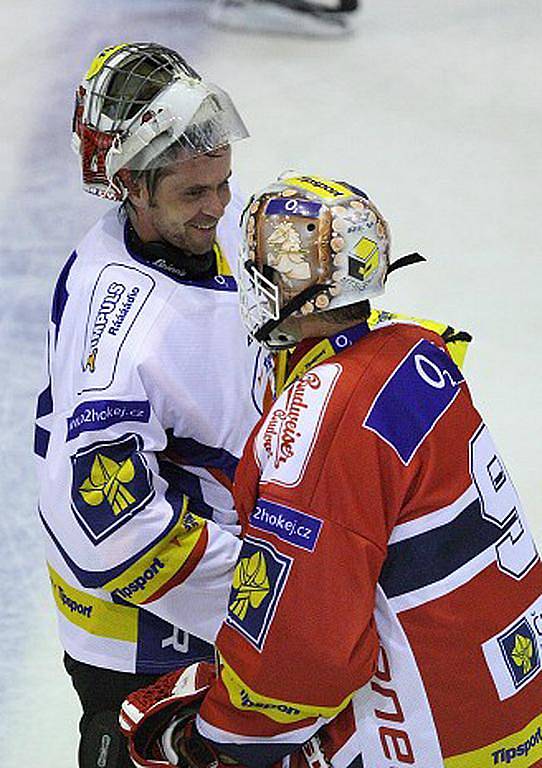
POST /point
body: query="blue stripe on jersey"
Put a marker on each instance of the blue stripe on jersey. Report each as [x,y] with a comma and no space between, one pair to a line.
[96,579]
[414,398]
[196,454]
[45,402]
[41,441]
[60,295]
[432,555]
[180,484]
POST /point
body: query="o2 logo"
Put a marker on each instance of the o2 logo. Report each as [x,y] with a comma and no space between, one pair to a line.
[500,504]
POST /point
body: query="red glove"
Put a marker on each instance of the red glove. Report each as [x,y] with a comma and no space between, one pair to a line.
[148,716]
[159,723]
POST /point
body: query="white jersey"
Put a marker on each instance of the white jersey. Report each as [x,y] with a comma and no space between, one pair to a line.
[152,391]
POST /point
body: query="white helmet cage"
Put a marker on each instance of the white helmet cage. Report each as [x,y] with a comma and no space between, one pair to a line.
[141,106]
[310,245]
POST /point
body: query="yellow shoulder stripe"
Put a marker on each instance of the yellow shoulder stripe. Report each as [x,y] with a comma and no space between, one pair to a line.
[457,342]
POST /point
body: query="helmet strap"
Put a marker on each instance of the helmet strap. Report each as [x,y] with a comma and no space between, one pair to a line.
[288,309]
[406,261]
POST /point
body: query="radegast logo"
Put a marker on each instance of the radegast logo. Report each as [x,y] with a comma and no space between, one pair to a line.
[110,483]
[519,647]
[258,581]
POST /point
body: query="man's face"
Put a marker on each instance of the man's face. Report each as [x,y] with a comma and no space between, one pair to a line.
[187,204]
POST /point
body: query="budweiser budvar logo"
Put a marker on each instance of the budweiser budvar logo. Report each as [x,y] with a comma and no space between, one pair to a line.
[281,432]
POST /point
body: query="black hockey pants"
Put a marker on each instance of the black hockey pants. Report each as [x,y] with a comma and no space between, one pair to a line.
[101,692]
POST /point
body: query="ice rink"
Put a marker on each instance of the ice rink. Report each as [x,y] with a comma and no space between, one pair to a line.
[434,107]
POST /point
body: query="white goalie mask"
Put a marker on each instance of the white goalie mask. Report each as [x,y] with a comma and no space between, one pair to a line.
[310,245]
[141,106]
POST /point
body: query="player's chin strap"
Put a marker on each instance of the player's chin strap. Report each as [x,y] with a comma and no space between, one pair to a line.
[313,290]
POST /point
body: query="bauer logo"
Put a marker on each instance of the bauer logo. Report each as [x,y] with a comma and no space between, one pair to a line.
[117,298]
[101,414]
[288,524]
[258,581]
[287,437]
[110,483]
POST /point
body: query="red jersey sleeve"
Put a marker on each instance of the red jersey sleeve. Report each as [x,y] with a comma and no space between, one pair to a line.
[318,495]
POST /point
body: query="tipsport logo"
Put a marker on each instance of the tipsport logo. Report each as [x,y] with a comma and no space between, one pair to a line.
[110,483]
[258,582]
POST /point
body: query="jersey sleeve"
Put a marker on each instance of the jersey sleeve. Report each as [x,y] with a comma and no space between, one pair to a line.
[137,527]
[300,638]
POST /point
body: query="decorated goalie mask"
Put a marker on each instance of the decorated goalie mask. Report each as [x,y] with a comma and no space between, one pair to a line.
[141,106]
[310,245]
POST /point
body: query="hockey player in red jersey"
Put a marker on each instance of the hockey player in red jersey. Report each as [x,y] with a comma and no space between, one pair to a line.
[388,595]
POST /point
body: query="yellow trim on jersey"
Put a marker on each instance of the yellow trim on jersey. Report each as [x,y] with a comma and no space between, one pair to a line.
[323,350]
[94,615]
[244,698]
[147,576]
[324,188]
[520,750]
[99,60]
[318,354]
[456,348]
[222,266]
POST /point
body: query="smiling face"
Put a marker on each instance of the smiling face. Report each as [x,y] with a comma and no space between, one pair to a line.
[187,204]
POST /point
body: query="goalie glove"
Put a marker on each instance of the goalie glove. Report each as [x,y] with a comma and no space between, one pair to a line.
[149,716]
[159,723]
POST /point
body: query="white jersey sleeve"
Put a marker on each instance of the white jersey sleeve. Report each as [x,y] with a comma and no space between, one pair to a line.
[151,395]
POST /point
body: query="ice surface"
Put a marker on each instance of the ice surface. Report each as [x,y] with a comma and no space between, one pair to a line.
[433,107]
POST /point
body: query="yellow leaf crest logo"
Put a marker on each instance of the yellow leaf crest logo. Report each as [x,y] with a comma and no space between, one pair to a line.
[107,482]
[522,653]
[252,584]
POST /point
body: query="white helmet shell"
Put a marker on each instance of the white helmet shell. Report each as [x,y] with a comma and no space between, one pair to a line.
[310,244]
[141,106]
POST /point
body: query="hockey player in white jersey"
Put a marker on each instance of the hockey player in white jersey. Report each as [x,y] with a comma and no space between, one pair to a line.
[151,387]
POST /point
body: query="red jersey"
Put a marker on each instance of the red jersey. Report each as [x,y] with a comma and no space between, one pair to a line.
[388,584]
